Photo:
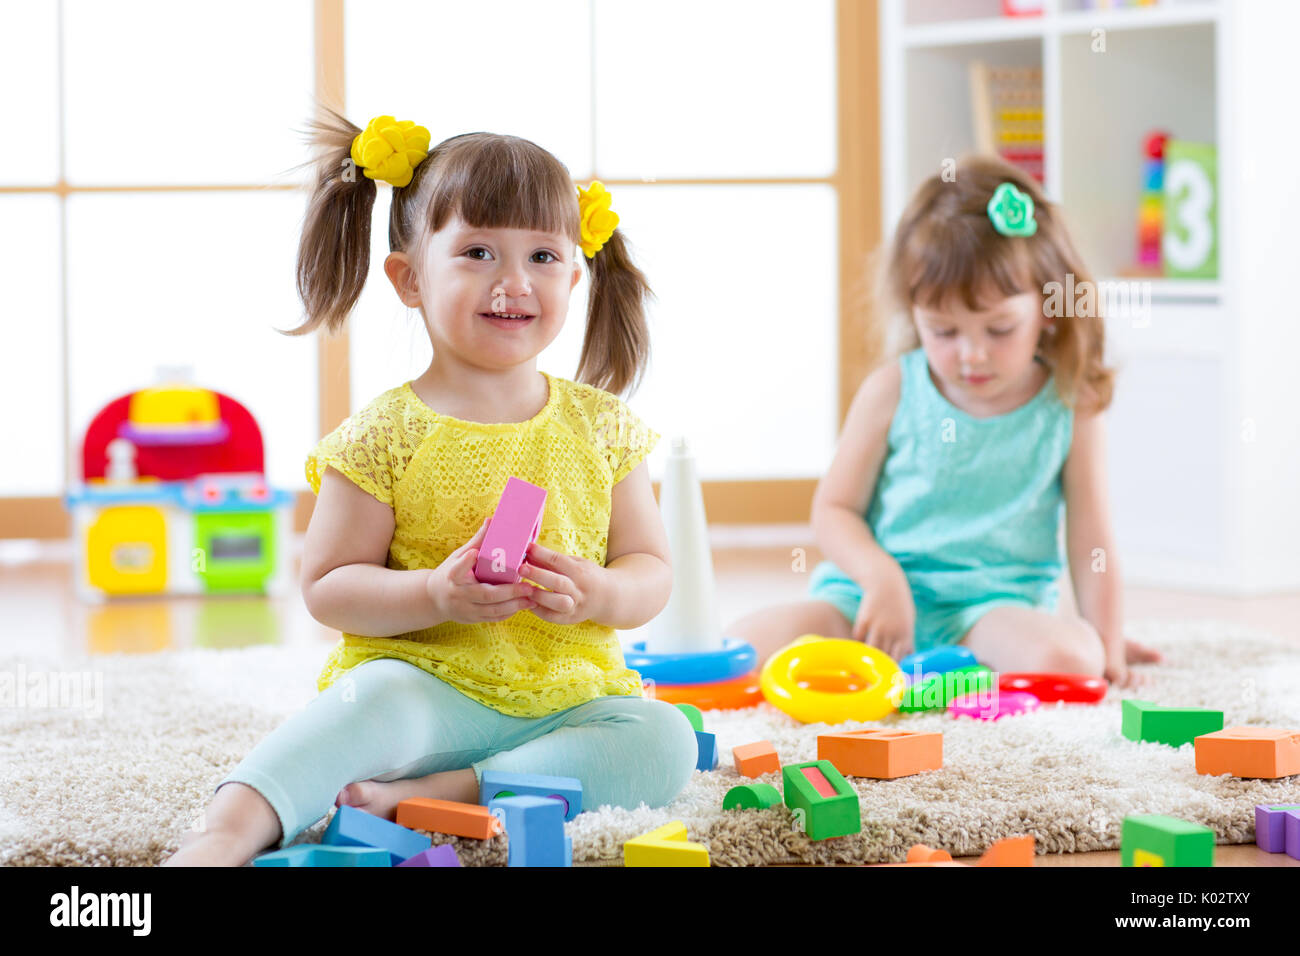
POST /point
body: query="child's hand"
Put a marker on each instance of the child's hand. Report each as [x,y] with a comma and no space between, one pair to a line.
[459,596]
[887,616]
[578,588]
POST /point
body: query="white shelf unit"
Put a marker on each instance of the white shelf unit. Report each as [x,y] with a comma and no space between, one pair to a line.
[1203,433]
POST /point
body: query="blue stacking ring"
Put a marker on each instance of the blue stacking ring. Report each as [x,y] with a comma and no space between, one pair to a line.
[937,660]
[736,658]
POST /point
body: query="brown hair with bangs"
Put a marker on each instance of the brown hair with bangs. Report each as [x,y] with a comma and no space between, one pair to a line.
[490,181]
[946,250]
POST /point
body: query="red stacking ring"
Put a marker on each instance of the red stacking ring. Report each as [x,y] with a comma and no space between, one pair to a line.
[1072,688]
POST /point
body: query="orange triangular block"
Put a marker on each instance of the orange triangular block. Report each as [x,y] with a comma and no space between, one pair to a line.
[924,854]
[931,863]
[1014,851]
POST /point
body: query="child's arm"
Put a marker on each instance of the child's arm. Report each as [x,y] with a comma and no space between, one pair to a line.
[636,580]
[845,491]
[347,585]
[1090,543]
[887,615]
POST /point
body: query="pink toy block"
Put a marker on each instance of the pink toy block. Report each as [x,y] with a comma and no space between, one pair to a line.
[511,529]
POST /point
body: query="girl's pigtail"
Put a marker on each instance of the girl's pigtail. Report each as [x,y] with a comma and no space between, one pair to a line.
[334,251]
[616,348]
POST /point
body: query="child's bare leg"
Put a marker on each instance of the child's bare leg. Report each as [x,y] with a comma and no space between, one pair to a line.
[1025,639]
[771,629]
[237,825]
[382,797]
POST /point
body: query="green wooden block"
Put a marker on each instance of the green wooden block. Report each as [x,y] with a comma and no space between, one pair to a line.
[751,796]
[1165,841]
[935,692]
[692,714]
[821,816]
[1175,726]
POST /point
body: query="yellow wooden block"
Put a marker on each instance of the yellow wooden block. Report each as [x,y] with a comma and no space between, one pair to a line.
[664,846]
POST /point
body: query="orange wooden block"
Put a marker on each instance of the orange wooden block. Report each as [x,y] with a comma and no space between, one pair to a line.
[448,816]
[1013,851]
[924,854]
[756,759]
[882,754]
[1249,752]
[932,863]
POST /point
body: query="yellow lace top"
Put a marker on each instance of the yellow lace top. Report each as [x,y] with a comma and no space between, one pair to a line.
[442,476]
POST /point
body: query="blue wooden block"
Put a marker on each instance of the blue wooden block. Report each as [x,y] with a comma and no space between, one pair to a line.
[319,855]
[937,660]
[292,856]
[708,742]
[534,831]
[443,855]
[353,827]
[568,790]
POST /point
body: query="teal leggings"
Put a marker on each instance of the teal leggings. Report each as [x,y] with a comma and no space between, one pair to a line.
[389,720]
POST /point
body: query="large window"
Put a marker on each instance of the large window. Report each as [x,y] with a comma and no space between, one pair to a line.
[713,124]
[152,222]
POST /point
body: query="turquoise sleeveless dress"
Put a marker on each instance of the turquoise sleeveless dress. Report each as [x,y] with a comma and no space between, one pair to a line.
[969,507]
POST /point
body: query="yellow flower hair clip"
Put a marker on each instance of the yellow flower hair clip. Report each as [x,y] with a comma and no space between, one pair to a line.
[389,150]
[597,221]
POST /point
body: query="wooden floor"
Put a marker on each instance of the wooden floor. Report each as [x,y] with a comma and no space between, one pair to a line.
[753,568]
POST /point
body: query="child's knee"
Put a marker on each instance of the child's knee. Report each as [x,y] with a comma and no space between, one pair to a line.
[664,746]
[1082,654]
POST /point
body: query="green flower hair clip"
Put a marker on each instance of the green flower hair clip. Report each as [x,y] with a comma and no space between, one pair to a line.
[1012,212]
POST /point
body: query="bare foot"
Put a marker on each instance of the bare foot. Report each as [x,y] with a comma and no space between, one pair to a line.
[382,797]
[209,849]
[1136,653]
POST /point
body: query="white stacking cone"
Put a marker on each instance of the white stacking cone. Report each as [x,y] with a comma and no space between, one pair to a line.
[690,621]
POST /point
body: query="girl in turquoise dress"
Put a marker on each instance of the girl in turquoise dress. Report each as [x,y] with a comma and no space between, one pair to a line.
[941,513]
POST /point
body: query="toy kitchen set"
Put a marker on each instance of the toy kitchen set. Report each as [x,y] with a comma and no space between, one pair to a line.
[174,500]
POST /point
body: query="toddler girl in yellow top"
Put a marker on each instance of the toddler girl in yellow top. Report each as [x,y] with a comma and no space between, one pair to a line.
[438,677]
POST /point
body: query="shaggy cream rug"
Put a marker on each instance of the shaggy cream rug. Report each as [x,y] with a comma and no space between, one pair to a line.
[117,777]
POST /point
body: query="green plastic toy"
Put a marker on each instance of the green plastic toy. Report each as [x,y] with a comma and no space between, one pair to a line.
[1165,841]
[692,714]
[935,692]
[1175,726]
[821,799]
[751,796]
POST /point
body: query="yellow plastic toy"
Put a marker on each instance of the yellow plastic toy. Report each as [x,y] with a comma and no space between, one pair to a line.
[826,680]
[665,846]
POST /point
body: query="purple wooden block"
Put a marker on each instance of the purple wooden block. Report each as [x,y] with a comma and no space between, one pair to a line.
[444,855]
[1274,824]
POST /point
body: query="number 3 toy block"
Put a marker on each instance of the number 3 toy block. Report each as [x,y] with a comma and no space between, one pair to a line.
[511,529]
